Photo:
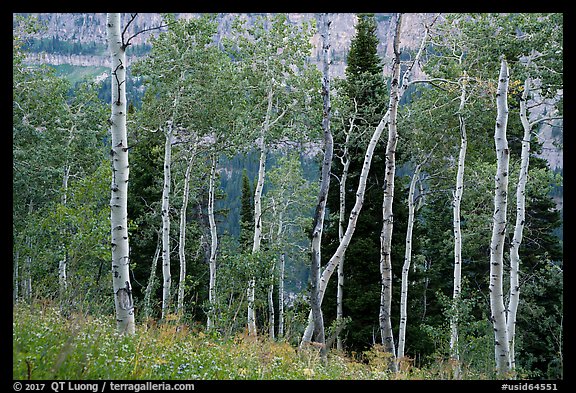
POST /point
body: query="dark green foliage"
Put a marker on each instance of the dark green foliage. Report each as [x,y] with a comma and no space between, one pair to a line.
[541,346]
[246,213]
[363,56]
[366,87]
[231,186]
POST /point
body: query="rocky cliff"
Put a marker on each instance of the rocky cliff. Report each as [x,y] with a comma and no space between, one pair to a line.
[90,28]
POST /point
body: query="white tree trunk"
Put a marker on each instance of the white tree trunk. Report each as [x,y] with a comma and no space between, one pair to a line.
[62,278]
[182,242]
[15,282]
[274,239]
[387,215]
[213,243]
[250,296]
[27,268]
[281,296]
[252,331]
[152,279]
[498,316]
[318,225]
[271,316]
[457,198]
[166,274]
[62,264]
[345,160]
[356,209]
[407,262]
[120,173]
[519,226]
[352,219]
[27,273]
[27,279]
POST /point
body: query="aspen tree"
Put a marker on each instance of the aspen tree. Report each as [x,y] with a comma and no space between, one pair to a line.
[387,217]
[182,242]
[318,225]
[250,291]
[120,173]
[272,61]
[166,274]
[515,260]
[213,239]
[15,282]
[499,221]
[63,263]
[289,195]
[414,204]
[519,226]
[360,192]
[281,272]
[345,160]
[152,278]
[457,199]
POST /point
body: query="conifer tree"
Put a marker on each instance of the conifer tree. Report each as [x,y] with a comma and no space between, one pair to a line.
[246,213]
[365,89]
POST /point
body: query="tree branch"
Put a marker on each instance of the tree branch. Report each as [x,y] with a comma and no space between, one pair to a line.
[127,43]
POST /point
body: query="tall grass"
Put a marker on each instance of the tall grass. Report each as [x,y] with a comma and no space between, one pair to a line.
[47,345]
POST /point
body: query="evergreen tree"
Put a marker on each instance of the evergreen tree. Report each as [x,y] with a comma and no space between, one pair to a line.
[246,213]
[364,80]
[365,92]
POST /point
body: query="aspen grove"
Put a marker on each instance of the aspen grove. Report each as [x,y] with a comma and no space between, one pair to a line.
[181,215]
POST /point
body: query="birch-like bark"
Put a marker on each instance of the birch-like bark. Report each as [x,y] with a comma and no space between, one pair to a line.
[213,243]
[360,191]
[519,226]
[387,214]
[457,198]
[27,273]
[250,296]
[120,173]
[281,296]
[152,279]
[345,160]
[351,227]
[318,223]
[252,331]
[407,261]
[27,276]
[166,274]
[274,239]
[63,263]
[498,312]
[15,279]
[182,242]
[27,268]
[271,316]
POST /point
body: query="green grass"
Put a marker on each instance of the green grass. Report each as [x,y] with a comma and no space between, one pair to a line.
[80,347]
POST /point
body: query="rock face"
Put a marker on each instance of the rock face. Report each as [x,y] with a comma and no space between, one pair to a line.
[90,28]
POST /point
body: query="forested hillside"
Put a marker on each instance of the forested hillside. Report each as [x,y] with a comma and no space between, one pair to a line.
[288,196]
